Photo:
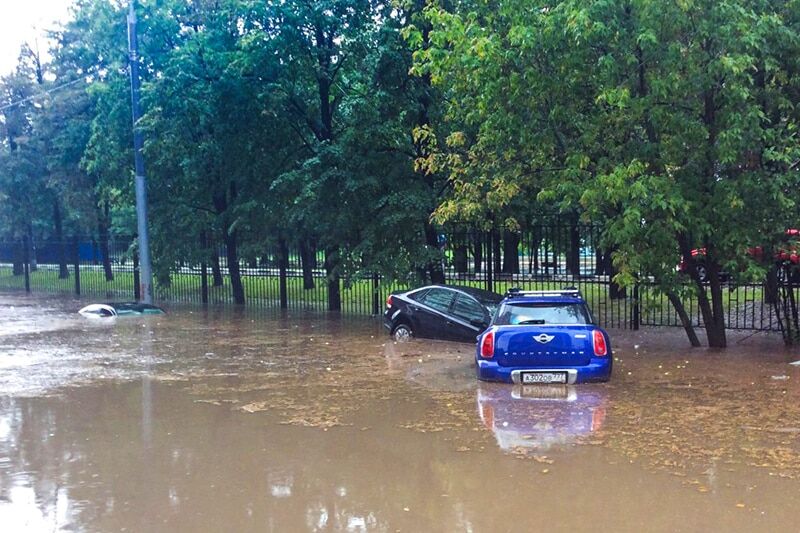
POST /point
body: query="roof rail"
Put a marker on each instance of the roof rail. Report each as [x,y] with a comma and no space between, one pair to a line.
[569,291]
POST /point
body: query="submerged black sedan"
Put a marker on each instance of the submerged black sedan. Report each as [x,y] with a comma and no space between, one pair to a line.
[451,313]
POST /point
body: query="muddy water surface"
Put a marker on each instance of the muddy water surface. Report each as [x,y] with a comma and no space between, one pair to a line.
[223,421]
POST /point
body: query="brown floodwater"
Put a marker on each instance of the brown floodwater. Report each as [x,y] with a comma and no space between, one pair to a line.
[218,420]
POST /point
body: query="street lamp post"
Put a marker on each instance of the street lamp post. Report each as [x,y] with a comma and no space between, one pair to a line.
[146,272]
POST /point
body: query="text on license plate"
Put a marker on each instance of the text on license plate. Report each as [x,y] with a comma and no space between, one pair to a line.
[544,377]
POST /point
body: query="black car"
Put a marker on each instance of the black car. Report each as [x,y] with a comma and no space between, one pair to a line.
[443,312]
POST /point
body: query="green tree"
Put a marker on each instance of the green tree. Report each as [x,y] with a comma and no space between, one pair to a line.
[673,124]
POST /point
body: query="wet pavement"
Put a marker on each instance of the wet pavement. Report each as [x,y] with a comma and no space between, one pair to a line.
[243,421]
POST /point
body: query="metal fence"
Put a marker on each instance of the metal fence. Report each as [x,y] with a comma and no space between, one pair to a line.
[547,256]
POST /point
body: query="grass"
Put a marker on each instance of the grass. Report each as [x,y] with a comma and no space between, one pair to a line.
[263,291]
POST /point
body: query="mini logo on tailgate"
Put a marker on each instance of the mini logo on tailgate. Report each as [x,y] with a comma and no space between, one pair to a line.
[544,338]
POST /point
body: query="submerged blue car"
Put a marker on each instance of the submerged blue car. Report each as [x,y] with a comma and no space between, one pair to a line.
[543,337]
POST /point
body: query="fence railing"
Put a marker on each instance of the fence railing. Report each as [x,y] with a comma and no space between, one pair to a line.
[549,256]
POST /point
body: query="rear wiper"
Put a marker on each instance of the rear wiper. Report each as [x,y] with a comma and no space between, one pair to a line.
[534,321]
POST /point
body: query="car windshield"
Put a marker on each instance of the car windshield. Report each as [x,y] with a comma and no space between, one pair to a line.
[520,313]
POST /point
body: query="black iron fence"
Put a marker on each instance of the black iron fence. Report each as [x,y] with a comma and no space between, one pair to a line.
[548,256]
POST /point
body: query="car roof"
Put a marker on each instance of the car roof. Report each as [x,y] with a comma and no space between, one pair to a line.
[544,299]
[556,296]
[479,294]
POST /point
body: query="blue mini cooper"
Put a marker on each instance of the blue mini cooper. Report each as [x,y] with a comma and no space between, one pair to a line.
[543,337]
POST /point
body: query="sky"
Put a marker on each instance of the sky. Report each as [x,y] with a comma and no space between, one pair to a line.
[26,21]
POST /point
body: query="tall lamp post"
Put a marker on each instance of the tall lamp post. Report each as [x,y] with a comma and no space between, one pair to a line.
[146,271]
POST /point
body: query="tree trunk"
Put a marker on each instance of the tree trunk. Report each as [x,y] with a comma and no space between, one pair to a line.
[63,271]
[599,262]
[785,306]
[771,284]
[574,251]
[334,294]
[312,257]
[103,222]
[460,262]
[615,292]
[18,258]
[535,245]
[716,331]
[307,263]
[511,252]
[163,278]
[216,270]
[32,265]
[204,267]
[232,256]
[434,267]
[477,244]
[496,253]
[712,311]
[685,321]
[791,331]
[283,265]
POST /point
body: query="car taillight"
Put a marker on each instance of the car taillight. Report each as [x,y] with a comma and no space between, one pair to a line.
[600,348]
[487,345]
[389,301]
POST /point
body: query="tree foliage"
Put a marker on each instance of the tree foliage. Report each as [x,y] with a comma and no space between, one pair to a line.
[361,127]
[674,124]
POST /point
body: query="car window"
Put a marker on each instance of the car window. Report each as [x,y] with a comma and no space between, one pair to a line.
[418,295]
[489,300]
[537,313]
[468,309]
[439,299]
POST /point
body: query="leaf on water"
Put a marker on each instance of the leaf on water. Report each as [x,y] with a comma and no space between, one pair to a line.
[254,407]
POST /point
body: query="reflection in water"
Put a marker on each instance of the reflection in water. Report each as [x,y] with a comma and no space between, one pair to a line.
[147,333]
[30,502]
[540,417]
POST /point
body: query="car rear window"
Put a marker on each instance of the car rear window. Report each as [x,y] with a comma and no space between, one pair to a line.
[418,295]
[539,313]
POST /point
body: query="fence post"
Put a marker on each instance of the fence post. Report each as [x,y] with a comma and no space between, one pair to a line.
[77,265]
[376,297]
[203,282]
[636,318]
[489,261]
[26,263]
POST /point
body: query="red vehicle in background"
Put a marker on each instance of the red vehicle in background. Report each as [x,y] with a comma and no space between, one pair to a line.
[786,258]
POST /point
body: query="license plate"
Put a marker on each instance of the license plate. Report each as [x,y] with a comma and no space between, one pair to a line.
[544,377]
